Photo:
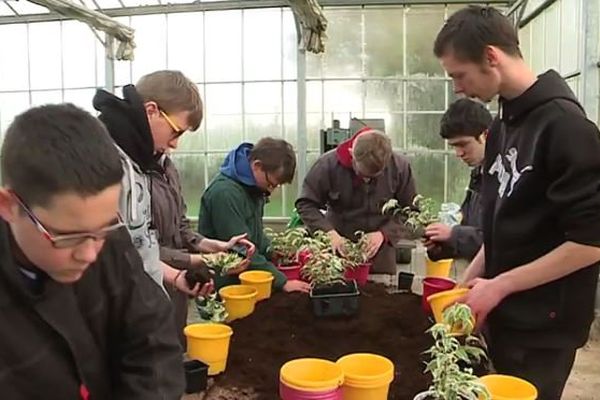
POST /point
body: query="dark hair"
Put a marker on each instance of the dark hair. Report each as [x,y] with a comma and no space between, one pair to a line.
[55,149]
[468,31]
[465,117]
[276,156]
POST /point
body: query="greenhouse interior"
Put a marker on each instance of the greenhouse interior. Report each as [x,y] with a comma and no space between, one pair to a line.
[300,199]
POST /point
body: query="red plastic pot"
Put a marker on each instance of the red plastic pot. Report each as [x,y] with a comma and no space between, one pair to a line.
[433,285]
[292,272]
[360,273]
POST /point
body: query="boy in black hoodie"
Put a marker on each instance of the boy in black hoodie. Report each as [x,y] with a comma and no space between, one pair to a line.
[534,280]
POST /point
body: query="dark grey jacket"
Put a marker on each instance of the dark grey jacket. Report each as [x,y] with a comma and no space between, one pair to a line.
[353,204]
[111,331]
[466,238]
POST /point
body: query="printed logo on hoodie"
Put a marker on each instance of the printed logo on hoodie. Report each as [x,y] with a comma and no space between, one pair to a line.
[505,176]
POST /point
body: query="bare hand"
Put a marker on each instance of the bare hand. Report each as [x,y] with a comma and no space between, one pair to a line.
[375,241]
[337,242]
[296,286]
[484,296]
[438,232]
[181,284]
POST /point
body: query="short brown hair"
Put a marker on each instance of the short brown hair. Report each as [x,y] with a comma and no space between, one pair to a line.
[470,30]
[173,92]
[372,149]
[276,155]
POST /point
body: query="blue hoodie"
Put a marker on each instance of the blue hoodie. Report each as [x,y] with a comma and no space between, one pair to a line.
[237,165]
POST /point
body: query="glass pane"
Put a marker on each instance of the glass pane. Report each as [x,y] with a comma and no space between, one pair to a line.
[151,44]
[224,131]
[44,53]
[223,45]
[458,179]
[46,97]
[314,65]
[525,42]
[13,69]
[290,126]
[181,29]
[552,31]
[79,55]
[314,124]
[262,125]
[290,46]
[193,141]
[290,97]
[383,96]
[452,97]
[569,36]
[344,96]
[393,126]
[191,174]
[223,98]
[215,160]
[274,208]
[343,46]
[123,68]
[428,172]
[425,95]
[423,131]
[574,85]
[262,44]
[537,52]
[262,97]
[100,63]
[11,105]
[422,26]
[81,97]
[290,194]
[314,96]
[383,41]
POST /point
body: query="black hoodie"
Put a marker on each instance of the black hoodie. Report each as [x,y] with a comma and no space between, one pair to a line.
[541,188]
[127,123]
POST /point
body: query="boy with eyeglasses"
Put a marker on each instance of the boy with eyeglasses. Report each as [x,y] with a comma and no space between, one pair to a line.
[233,203]
[145,124]
[80,317]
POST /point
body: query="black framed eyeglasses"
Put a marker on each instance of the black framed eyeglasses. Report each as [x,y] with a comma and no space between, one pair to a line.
[71,239]
[270,184]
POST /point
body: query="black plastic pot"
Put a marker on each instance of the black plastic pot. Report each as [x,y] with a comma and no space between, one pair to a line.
[338,299]
[405,280]
[196,374]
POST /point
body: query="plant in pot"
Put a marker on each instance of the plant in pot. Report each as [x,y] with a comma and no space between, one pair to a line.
[357,259]
[416,216]
[211,309]
[224,263]
[451,357]
[285,247]
[331,294]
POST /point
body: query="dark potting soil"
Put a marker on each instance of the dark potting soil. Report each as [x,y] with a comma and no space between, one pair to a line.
[283,328]
[337,288]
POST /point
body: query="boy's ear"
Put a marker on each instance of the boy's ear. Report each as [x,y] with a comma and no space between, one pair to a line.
[8,205]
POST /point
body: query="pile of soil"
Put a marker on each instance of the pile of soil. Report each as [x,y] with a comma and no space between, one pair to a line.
[284,328]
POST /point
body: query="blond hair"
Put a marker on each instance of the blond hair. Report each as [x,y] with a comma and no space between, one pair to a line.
[173,92]
[372,150]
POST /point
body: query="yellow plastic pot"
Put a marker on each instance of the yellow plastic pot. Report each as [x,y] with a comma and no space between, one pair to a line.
[311,374]
[440,301]
[239,300]
[261,280]
[209,343]
[506,387]
[366,376]
[440,268]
